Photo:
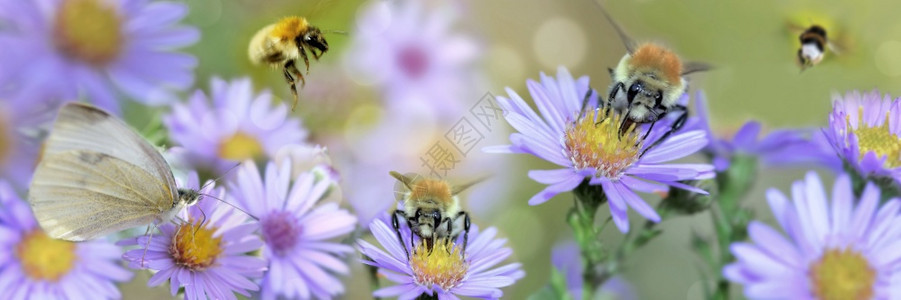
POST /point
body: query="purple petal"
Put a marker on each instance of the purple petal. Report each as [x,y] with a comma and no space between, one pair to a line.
[551,176]
[775,244]
[636,202]
[676,147]
[746,137]
[554,189]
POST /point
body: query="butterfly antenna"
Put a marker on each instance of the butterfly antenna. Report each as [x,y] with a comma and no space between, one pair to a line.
[220,176]
[234,206]
[194,228]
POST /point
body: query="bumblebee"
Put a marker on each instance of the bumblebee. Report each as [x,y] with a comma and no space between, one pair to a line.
[431,208]
[283,43]
[647,84]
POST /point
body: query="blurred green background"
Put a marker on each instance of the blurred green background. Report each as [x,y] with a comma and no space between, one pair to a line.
[755,77]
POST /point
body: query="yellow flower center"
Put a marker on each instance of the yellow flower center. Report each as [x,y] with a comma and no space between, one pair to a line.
[879,140]
[443,265]
[88,30]
[44,258]
[842,275]
[194,246]
[240,146]
[595,141]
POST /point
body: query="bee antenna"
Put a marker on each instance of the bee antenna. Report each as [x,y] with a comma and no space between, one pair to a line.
[341,32]
[232,205]
[627,41]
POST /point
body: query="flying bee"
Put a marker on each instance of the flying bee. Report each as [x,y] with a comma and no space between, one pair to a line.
[431,209]
[283,43]
[647,84]
[812,51]
[813,44]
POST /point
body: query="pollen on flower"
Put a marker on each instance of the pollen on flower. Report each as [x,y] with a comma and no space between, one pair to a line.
[443,265]
[194,246]
[88,30]
[879,140]
[842,274]
[45,258]
[240,146]
[595,141]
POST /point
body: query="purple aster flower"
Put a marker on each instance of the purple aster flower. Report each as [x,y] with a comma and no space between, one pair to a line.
[566,258]
[590,146]
[406,49]
[19,143]
[231,125]
[64,49]
[843,249]
[296,230]
[865,131]
[209,259]
[442,271]
[35,266]
[771,149]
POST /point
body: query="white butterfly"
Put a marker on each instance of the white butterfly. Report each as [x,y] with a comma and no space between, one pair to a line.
[98,176]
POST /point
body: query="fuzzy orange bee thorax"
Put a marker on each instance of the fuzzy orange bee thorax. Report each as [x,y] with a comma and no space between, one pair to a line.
[654,57]
[438,190]
[289,28]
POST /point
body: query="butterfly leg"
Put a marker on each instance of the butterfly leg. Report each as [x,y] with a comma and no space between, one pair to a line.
[147,244]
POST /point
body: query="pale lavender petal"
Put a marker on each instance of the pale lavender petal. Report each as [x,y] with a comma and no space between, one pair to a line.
[554,189]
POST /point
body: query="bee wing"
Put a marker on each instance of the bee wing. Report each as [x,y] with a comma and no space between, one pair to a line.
[93,161]
[462,187]
[403,184]
[794,28]
[695,66]
[834,47]
[628,42]
[79,195]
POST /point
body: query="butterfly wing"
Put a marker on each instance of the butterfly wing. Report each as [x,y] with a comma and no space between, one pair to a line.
[92,162]
[80,195]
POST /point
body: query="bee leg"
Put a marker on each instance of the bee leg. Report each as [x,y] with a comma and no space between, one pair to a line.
[585,100]
[306,60]
[466,225]
[450,230]
[291,68]
[396,223]
[648,132]
[316,56]
[645,136]
[613,92]
[412,245]
[676,126]
[436,221]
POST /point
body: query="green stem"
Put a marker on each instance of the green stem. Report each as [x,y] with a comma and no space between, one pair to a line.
[581,218]
[728,217]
